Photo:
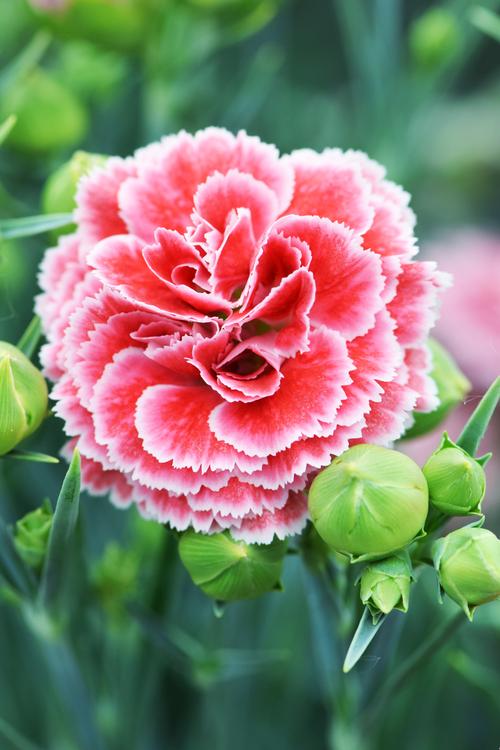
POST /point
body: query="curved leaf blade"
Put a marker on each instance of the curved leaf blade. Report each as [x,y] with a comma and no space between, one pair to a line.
[63,527]
[29,226]
[365,633]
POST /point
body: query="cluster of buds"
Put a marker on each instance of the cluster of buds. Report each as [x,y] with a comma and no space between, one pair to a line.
[23,397]
[372,504]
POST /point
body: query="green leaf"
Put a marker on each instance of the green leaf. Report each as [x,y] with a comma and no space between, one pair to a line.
[6,127]
[41,458]
[31,225]
[365,633]
[30,338]
[63,527]
[477,425]
[486,21]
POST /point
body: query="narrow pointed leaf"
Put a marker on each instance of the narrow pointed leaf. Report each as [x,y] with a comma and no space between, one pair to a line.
[42,458]
[477,425]
[30,338]
[63,527]
[6,127]
[31,225]
[365,633]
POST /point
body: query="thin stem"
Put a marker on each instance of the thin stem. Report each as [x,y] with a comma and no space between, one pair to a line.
[401,675]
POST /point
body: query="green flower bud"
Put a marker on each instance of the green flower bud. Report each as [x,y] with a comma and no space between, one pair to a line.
[385,585]
[452,387]
[435,38]
[115,25]
[228,570]
[456,481]
[31,535]
[468,566]
[59,192]
[369,502]
[23,397]
[34,100]
[115,576]
[241,17]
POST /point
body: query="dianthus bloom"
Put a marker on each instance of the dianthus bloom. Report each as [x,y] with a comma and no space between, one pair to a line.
[224,321]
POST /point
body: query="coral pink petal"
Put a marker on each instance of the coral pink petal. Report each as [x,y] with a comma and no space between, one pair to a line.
[349,280]
[238,499]
[282,522]
[310,393]
[414,308]
[331,186]
[119,263]
[376,357]
[97,213]
[221,196]
[172,254]
[172,422]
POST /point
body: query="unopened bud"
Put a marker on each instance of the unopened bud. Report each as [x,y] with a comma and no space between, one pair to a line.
[228,570]
[456,481]
[31,535]
[369,502]
[468,565]
[385,585]
[60,188]
[23,397]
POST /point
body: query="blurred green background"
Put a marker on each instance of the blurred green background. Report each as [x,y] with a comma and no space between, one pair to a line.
[146,664]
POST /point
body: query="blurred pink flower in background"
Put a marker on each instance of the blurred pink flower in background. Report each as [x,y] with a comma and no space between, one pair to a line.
[469,327]
[470,313]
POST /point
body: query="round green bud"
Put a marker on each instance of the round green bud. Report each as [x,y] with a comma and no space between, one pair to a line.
[385,585]
[228,570]
[456,481]
[23,397]
[452,386]
[115,25]
[34,100]
[31,535]
[369,502]
[241,17]
[60,189]
[115,576]
[435,38]
[468,566]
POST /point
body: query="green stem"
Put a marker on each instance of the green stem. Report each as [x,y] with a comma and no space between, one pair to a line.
[401,675]
[477,425]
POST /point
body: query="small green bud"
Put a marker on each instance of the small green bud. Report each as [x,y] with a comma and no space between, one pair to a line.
[31,535]
[34,100]
[369,502]
[59,192]
[456,481]
[452,387]
[468,566]
[385,585]
[228,570]
[435,38]
[23,397]
[115,576]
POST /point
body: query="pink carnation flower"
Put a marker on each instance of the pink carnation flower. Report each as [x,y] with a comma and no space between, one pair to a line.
[224,321]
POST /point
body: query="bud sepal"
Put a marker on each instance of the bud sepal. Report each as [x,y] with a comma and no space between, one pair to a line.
[385,585]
